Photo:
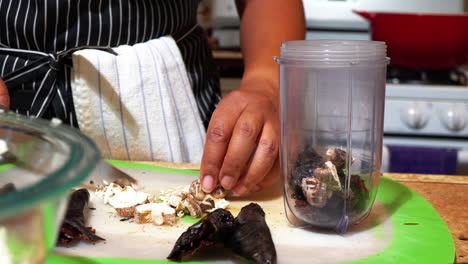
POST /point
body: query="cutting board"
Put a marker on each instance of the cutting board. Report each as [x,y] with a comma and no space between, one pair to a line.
[401,228]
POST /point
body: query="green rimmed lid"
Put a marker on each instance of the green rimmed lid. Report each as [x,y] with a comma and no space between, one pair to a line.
[48,159]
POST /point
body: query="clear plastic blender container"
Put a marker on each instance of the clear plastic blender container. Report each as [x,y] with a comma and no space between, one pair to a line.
[332,108]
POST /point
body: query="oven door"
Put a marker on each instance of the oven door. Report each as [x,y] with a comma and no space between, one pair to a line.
[427,155]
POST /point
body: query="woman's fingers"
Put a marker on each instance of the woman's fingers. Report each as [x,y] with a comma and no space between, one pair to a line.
[272,177]
[4,96]
[263,160]
[241,147]
[218,136]
[241,143]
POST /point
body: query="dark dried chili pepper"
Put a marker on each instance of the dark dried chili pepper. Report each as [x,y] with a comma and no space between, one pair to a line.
[73,226]
[251,237]
[247,235]
[211,229]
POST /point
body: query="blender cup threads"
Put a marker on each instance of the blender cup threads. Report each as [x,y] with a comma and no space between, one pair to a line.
[332,103]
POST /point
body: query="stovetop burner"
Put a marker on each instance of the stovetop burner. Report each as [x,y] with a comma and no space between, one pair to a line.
[400,75]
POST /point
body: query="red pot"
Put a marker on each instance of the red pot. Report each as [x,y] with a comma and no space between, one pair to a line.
[423,41]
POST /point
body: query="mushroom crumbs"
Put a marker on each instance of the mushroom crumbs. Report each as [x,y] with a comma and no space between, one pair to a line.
[166,208]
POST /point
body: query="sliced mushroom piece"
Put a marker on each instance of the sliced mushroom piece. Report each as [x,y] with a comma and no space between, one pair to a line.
[175,199]
[322,174]
[337,157]
[218,193]
[187,194]
[180,209]
[157,217]
[196,190]
[109,191]
[327,183]
[126,201]
[151,197]
[207,204]
[220,204]
[315,191]
[336,185]
[170,217]
[143,213]
[163,214]
[193,207]
[180,213]
[126,211]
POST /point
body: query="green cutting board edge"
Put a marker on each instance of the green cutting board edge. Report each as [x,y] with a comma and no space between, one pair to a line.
[419,233]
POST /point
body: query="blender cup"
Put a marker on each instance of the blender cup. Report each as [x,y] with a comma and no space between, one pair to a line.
[332,107]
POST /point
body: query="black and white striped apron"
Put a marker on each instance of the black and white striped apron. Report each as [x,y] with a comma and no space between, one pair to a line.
[37,35]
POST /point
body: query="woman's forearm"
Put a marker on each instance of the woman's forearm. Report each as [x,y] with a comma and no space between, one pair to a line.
[264,25]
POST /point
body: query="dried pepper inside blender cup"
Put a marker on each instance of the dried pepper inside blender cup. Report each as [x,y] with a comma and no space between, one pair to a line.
[318,187]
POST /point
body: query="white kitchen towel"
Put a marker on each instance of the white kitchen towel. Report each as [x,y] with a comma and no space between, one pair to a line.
[138,105]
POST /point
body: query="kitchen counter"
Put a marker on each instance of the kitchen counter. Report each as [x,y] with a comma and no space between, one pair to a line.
[448,194]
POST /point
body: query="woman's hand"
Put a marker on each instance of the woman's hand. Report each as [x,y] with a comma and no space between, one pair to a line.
[242,141]
[241,149]
[4,96]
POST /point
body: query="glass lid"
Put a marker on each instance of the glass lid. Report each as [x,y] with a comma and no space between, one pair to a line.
[41,159]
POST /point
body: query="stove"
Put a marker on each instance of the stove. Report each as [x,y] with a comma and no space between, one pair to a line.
[426,102]
[427,108]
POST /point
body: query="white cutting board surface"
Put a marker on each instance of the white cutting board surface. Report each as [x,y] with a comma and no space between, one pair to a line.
[126,239]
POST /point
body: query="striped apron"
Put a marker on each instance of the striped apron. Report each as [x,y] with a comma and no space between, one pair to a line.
[37,37]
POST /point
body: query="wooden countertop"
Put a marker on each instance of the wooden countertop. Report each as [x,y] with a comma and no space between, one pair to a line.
[447,193]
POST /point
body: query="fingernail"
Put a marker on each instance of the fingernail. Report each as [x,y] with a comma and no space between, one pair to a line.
[208,183]
[256,188]
[227,182]
[241,190]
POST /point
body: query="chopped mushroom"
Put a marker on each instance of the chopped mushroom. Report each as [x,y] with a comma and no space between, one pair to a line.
[207,204]
[158,213]
[314,191]
[180,213]
[196,190]
[109,191]
[126,201]
[218,193]
[143,213]
[337,157]
[220,204]
[192,207]
[170,217]
[191,200]
[336,184]
[187,194]
[163,214]
[175,199]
